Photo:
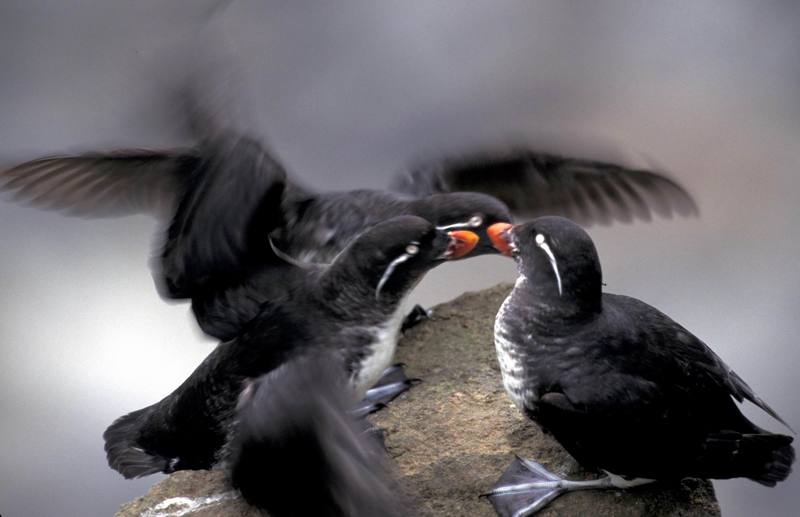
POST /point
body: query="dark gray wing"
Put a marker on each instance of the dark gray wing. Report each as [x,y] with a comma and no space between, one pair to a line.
[741,391]
[295,445]
[534,184]
[674,357]
[708,371]
[102,184]
[232,202]
[216,198]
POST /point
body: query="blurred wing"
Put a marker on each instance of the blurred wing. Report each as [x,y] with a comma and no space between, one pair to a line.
[295,446]
[102,184]
[534,184]
[232,203]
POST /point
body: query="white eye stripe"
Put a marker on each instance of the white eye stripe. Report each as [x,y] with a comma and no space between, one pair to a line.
[411,250]
[389,270]
[449,226]
[542,244]
[473,222]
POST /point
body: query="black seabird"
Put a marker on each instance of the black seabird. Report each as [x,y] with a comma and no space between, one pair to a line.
[224,197]
[350,309]
[619,384]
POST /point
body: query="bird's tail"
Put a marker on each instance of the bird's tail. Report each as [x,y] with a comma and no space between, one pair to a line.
[296,449]
[765,457]
[124,453]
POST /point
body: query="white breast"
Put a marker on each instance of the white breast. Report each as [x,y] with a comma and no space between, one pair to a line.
[381,350]
[511,366]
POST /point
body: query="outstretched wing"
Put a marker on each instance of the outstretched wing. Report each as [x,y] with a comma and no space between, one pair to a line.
[216,199]
[232,202]
[533,184]
[110,184]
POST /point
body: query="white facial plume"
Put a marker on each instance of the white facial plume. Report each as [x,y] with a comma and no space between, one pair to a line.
[473,222]
[411,250]
[543,244]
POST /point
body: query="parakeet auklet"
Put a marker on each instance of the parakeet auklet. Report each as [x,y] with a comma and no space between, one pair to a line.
[619,384]
[351,309]
[222,198]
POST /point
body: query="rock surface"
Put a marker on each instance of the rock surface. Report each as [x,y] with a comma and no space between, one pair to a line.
[451,437]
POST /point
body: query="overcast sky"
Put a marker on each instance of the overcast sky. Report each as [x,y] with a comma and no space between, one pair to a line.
[348,92]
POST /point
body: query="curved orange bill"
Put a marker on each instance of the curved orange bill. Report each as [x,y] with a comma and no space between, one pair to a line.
[498,234]
[461,243]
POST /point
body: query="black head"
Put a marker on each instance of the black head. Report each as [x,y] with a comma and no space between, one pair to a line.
[471,211]
[392,256]
[557,257]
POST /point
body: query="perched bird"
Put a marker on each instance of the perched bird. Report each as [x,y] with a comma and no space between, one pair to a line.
[296,448]
[619,384]
[224,200]
[351,309]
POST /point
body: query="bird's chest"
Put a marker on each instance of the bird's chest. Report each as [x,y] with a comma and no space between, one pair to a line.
[376,355]
[509,354]
[520,354]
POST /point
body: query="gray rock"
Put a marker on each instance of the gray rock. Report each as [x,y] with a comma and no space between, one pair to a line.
[452,436]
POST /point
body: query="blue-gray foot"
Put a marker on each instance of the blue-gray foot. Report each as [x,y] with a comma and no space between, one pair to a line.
[417,315]
[392,383]
[526,487]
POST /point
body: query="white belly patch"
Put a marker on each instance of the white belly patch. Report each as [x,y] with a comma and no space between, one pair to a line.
[381,351]
[511,367]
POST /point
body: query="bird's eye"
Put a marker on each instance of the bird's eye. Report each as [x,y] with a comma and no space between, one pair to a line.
[475,221]
[539,238]
[412,249]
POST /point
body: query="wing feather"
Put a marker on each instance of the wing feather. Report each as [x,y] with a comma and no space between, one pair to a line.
[102,184]
[232,202]
[534,184]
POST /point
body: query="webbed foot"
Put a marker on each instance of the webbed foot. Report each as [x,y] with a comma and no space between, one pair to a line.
[392,383]
[417,315]
[526,487]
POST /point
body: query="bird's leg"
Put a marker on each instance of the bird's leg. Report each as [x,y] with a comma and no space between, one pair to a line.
[526,487]
[417,315]
[392,383]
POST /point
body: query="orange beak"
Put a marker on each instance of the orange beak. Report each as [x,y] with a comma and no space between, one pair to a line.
[461,243]
[498,234]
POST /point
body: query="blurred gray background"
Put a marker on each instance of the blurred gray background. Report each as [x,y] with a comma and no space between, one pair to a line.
[347,93]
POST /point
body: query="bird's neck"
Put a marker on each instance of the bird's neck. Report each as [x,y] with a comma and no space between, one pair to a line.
[548,311]
[350,296]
